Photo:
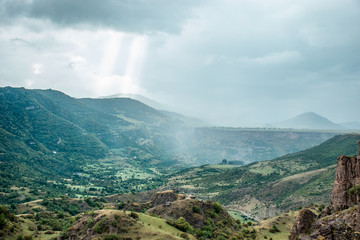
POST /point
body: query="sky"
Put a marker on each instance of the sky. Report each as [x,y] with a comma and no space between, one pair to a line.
[230,62]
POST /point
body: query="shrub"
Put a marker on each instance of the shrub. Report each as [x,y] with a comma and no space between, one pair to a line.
[114,223]
[184,235]
[101,226]
[92,214]
[111,237]
[196,209]
[274,229]
[213,214]
[56,226]
[2,221]
[321,207]
[221,237]
[120,205]
[134,215]
[24,238]
[355,189]
[225,221]
[89,222]
[183,225]
[217,207]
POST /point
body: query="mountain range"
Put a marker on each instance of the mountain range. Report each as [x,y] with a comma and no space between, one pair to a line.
[307,120]
[62,156]
[117,144]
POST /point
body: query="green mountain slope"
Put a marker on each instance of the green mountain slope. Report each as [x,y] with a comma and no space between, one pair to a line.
[52,144]
[34,140]
[264,188]
[49,136]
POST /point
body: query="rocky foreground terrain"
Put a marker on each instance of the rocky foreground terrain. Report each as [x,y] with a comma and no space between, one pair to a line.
[341,218]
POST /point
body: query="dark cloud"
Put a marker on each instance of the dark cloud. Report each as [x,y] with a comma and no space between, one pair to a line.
[230,61]
[123,15]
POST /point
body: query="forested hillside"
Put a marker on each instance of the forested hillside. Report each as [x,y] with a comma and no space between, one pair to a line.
[263,189]
[52,144]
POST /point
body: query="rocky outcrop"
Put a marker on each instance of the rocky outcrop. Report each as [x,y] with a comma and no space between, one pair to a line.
[341,219]
[303,223]
[347,177]
[164,197]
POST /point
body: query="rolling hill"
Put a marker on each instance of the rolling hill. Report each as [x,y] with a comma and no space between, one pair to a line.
[263,189]
[49,139]
[52,144]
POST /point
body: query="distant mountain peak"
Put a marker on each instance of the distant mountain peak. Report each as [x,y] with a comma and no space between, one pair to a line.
[309,120]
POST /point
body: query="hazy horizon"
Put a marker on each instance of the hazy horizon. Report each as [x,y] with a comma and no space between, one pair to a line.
[230,62]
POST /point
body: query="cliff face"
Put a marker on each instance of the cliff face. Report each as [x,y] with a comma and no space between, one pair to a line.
[347,177]
[341,219]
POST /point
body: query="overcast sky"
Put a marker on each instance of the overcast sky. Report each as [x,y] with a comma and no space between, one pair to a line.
[230,61]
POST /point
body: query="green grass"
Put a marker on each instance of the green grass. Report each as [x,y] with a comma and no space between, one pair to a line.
[262,168]
[238,216]
[222,166]
[154,224]
[283,222]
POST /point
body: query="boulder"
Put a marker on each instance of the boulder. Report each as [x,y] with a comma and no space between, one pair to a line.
[303,223]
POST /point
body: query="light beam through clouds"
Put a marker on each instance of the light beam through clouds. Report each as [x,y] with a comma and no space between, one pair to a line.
[109,80]
[232,61]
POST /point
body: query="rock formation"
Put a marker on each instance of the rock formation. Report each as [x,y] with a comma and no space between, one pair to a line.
[303,223]
[163,197]
[341,219]
[345,192]
[347,177]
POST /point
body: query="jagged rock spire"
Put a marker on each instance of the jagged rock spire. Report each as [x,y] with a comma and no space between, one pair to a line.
[347,177]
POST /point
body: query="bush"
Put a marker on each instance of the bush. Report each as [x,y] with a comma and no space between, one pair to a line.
[120,205]
[196,209]
[354,190]
[111,237]
[2,221]
[134,215]
[24,238]
[101,226]
[213,214]
[184,235]
[56,226]
[274,229]
[217,207]
[183,225]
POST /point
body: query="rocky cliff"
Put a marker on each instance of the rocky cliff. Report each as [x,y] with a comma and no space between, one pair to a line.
[163,197]
[341,218]
[347,178]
